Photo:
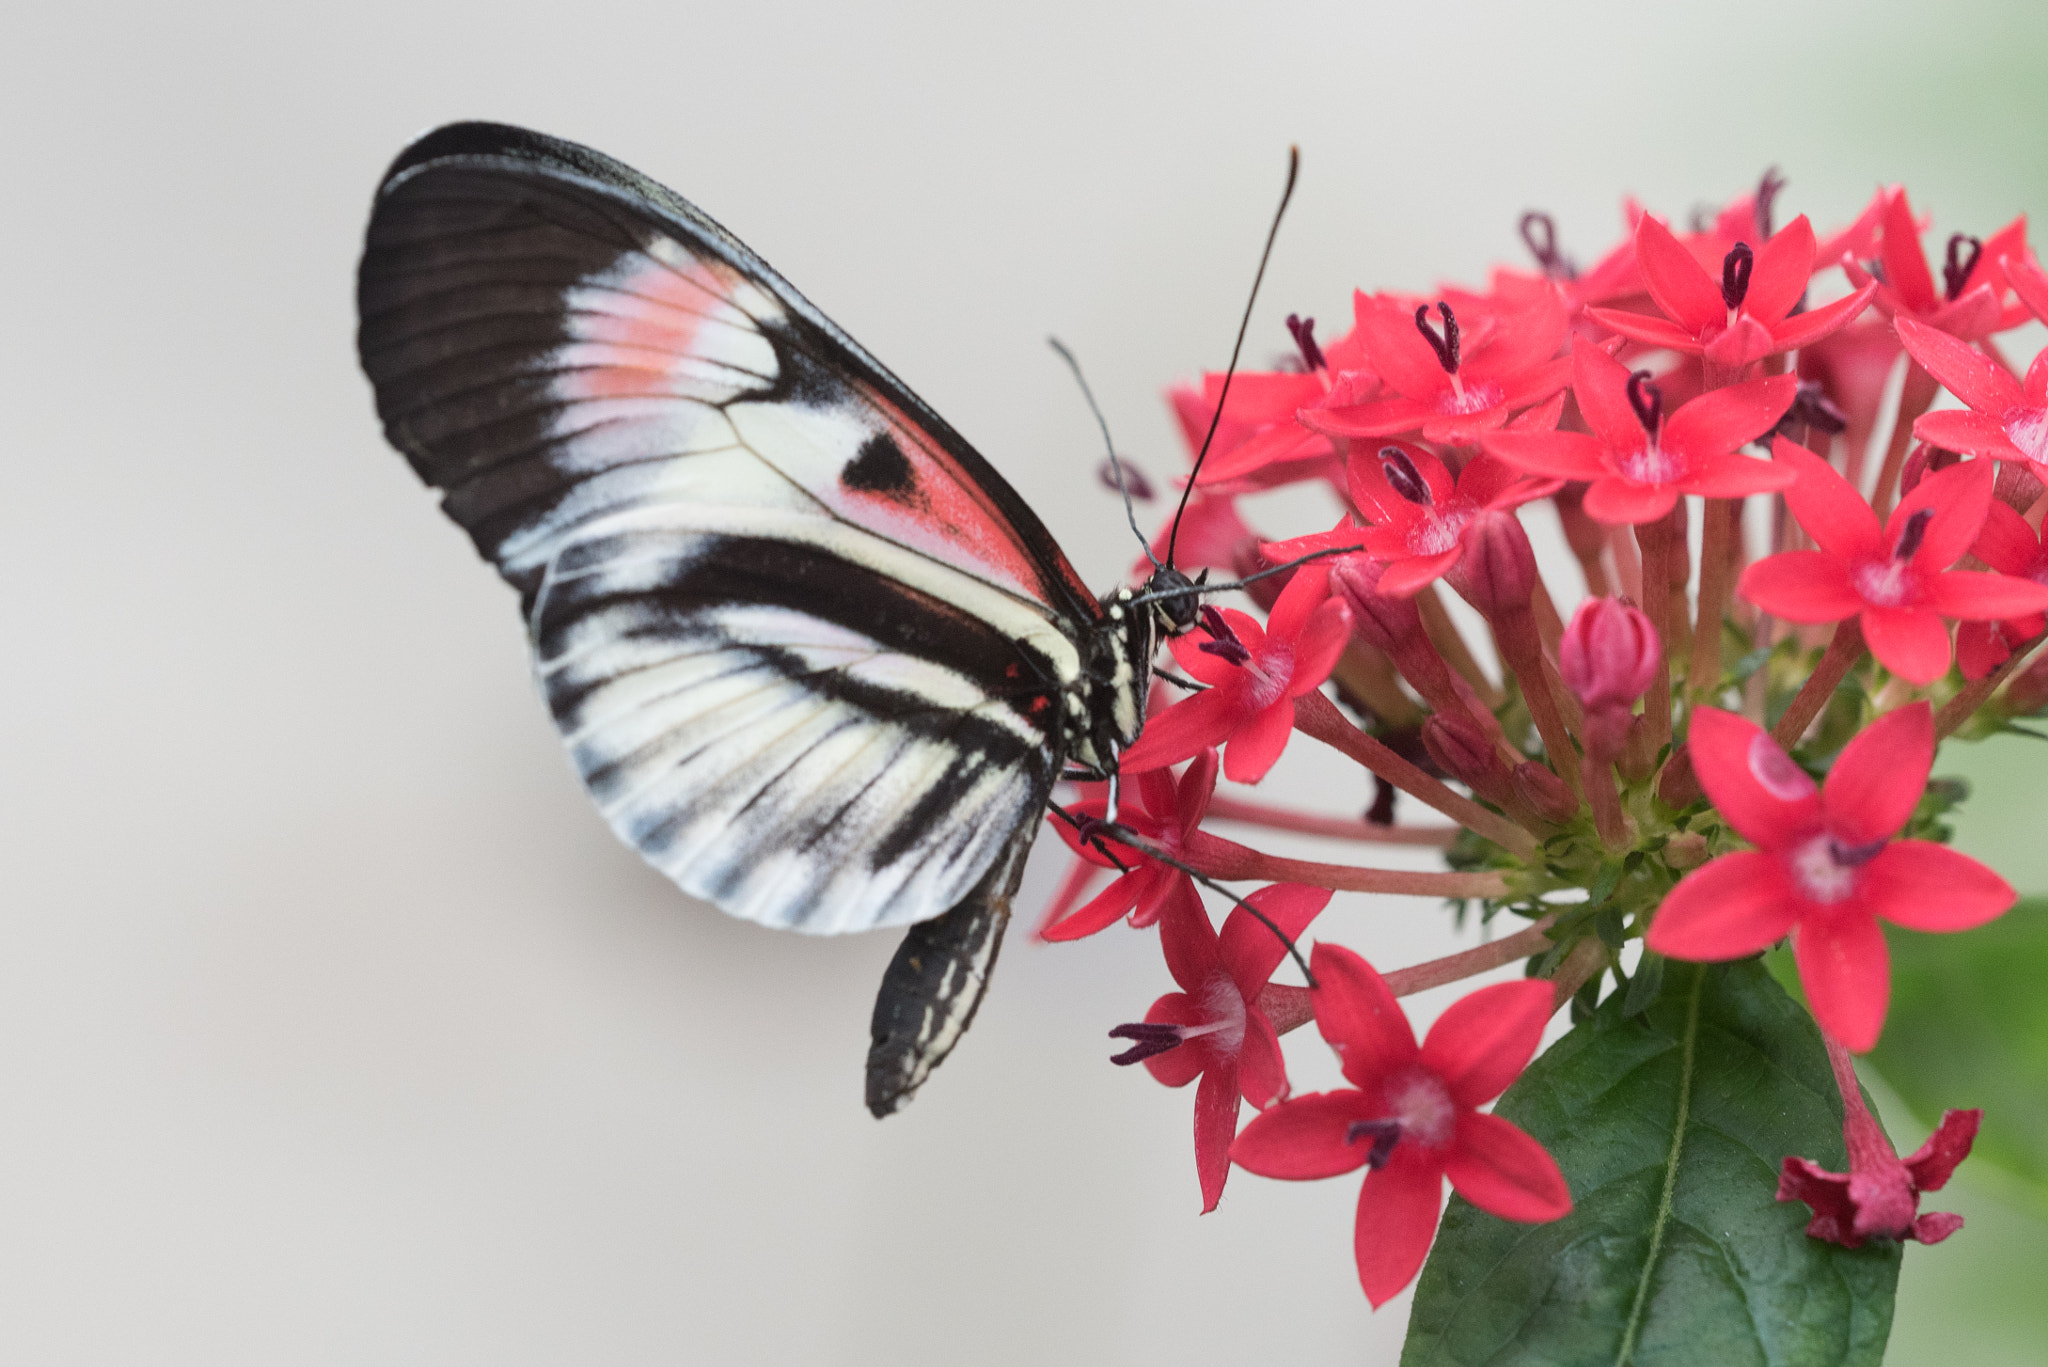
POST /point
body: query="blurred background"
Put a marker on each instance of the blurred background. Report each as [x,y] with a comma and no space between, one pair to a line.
[335,1028]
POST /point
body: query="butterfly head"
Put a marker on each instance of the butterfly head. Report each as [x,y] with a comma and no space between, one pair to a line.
[1175,600]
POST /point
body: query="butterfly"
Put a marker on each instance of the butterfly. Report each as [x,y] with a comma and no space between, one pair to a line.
[811,656]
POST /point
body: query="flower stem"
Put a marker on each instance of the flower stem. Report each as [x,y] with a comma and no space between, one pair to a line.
[1718,525]
[1958,709]
[1915,396]
[1587,958]
[1288,1007]
[1316,716]
[1444,635]
[1845,648]
[1340,828]
[1654,539]
[1229,861]
[1514,631]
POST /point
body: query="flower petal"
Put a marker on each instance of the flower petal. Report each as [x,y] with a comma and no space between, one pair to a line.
[1261,1071]
[1566,455]
[1189,942]
[1733,476]
[1967,431]
[1305,1138]
[1783,265]
[1977,597]
[1259,742]
[1191,795]
[1496,1166]
[1934,1162]
[1307,589]
[1487,1037]
[1358,1015]
[1686,293]
[1958,498]
[1720,420]
[1320,645]
[1838,518]
[1600,384]
[1616,502]
[1641,327]
[1215,1127]
[2006,543]
[1107,907]
[1878,778]
[1846,970]
[1406,578]
[1397,1215]
[1182,730]
[1924,886]
[1764,795]
[1800,586]
[1250,950]
[1911,642]
[1727,908]
[1905,264]
[1396,349]
[1804,329]
[1179,1066]
[1968,374]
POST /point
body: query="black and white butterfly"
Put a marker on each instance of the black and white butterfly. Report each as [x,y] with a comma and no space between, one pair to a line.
[810,654]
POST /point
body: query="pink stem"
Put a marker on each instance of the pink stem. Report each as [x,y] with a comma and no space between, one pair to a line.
[1288,1007]
[1229,861]
[1845,648]
[1341,828]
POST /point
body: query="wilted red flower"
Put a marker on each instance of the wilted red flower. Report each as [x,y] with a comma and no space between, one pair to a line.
[1826,866]
[1213,1028]
[1744,316]
[1879,1197]
[1895,579]
[1637,459]
[1410,1115]
[1253,674]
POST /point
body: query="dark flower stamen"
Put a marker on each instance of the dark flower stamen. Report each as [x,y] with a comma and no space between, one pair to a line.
[1149,1039]
[1766,195]
[1402,474]
[1735,269]
[1913,535]
[1385,1134]
[1446,346]
[1956,272]
[1381,813]
[1135,484]
[1811,407]
[1539,233]
[1222,642]
[1855,856]
[1304,333]
[1647,400]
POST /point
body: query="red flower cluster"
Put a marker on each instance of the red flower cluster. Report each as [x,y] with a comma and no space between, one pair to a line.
[1685,374]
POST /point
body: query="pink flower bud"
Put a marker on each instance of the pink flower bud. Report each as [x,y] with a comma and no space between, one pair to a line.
[1686,851]
[1608,655]
[1924,461]
[1465,752]
[1497,573]
[1385,622]
[1678,786]
[1543,792]
[2027,694]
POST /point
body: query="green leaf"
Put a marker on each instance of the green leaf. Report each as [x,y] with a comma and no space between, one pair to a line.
[1671,1127]
[1969,1027]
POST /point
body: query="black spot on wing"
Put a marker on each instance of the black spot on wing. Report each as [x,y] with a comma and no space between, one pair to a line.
[881,468]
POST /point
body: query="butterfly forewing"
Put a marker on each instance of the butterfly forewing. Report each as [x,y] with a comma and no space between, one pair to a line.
[808,651]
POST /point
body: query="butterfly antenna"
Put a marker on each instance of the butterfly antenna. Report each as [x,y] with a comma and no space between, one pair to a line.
[1293,170]
[1206,587]
[1124,835]
[1116,466]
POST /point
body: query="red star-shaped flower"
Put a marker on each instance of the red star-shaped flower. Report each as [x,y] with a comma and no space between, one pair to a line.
[2006,420]
[1253,674]
[1213,1028]
[1968,304]
[1895,578]
[1637,460]
[1422,518]
[1450,387]
[1826,866]
[1410,1115]
[1744,316]
[1168,814]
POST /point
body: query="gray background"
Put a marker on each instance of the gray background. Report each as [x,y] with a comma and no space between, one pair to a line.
[333,1025]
